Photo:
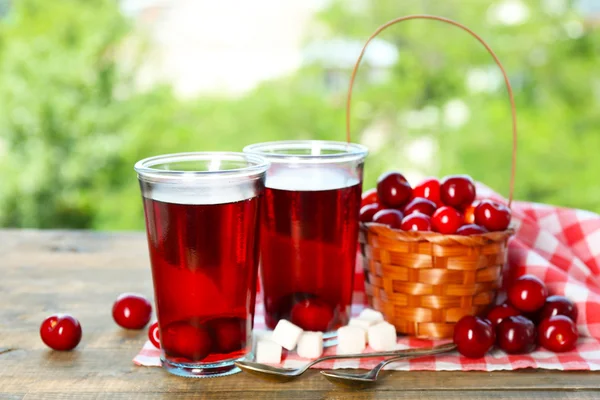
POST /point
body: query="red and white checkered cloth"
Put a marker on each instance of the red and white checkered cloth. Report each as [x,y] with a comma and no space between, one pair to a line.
[560,246]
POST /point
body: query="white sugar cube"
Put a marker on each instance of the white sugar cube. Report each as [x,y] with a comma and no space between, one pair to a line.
[351,339]
[382,337]
[286,334]
[310,345]
[257,336]
[371,315]
[268,352]
[362,323]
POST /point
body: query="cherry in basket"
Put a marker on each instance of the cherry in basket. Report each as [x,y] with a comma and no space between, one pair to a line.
[393,190]
[492,215]
[416,222]
[390,217]
[421,205]
[470,229]
[457,191]
[369,197]
[368,211]
[61,332]
[429,189]
[446,220]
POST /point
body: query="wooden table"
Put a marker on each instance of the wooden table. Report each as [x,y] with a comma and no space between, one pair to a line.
[82,273]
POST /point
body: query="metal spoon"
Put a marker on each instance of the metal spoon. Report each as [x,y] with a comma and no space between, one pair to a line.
[361,381]
[287,374]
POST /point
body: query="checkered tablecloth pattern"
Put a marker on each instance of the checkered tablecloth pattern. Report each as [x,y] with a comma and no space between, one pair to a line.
[559,245]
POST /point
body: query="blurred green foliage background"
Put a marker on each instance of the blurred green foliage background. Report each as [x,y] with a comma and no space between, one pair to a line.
[72,122]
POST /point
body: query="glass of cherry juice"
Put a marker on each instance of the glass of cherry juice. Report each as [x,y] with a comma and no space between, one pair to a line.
[202,221]
[309,231]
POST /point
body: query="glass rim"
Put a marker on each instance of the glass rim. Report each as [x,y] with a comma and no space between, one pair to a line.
[257,164]
[348,151]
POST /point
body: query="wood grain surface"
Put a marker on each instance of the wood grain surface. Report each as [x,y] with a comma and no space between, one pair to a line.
[82,273]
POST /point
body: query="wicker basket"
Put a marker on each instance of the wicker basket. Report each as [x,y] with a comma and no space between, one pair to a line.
[424,282]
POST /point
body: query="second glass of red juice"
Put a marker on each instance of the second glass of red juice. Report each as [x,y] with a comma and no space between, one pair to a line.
[309,229]
[202,221]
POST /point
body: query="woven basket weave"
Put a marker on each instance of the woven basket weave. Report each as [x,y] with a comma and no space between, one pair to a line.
[424,282]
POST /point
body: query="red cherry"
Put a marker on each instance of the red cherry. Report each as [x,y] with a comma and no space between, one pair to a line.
[527,293]
[516,335]
[469,213]
[391,218]
[430,190]
[367,212]
[420,204]
[154,335]
[312,315]
[186,339]
[471,229]
[132,311]
[558,305]
[558,334]
[473,336]
[61,332]
[457,191]
[446,220]
[498,313]
[369,197]
[416,222]
[393,189]
[229,334]
[492,215]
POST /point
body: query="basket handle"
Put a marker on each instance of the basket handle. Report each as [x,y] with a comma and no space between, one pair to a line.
[487,47]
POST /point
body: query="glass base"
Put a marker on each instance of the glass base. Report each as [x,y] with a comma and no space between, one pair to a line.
[191,370]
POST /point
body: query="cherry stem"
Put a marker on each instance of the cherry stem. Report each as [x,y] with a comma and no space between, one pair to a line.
[487,47]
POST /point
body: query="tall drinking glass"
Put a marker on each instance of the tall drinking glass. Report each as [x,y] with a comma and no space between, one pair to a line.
[202,220]
[309,229]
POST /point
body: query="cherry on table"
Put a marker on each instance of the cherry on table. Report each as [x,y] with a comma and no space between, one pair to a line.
[498,313]
[369,197]
[416,222]
[470,229]
[429,189]
[516,335]
[457,191]
[154,335]
[492,215]
[473,336]
[229,334]
[312,315]
[558,305]
[61,332]
[446,220]
[393,189]
[390,217]
[527,293]
[186,339]
[558,333]
[368,211]
[421,205]
[132,311]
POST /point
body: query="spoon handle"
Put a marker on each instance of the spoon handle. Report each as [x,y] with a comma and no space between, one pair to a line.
[395,354]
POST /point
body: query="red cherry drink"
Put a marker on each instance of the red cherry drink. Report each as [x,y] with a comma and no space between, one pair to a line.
[204,265]
[309,236]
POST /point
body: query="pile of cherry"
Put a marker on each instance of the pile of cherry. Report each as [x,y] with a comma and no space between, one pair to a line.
[512,325]
[130,311]
[447,206]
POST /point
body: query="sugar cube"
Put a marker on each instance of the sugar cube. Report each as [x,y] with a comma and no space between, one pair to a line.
[361,323]
[370,315]
[286,334]
[382,336]
[351,339]
[268,352]
[310,345]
